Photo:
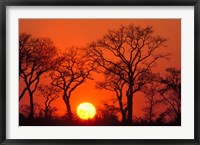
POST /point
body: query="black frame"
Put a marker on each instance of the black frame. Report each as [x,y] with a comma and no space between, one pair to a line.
[4,3]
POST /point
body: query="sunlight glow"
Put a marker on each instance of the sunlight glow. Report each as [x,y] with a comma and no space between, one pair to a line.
[86,111]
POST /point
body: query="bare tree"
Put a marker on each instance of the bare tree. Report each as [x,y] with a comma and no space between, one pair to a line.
[115,84]
[109,112]
[71,73]
[24,56]
[133,51]
[36,56]
[170,90]
[50,94]
[152,100]
[25,109]
[24,52]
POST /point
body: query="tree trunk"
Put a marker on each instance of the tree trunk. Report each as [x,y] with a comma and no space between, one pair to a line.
[67,103]
[179,118]
[69,112]
[150,115]
[22,94]
[123,112]
[46,113]
[31,113]
[130,105]
[130,100]
[130,110]
[123,117]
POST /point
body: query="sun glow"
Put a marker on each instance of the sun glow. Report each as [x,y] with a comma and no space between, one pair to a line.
[86,111]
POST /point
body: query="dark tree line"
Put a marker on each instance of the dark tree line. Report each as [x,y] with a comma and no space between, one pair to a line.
[152,101]
[125,57]
[165,91]
[170,90]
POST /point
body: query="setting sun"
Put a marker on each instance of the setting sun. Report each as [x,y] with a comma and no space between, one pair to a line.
[86,111]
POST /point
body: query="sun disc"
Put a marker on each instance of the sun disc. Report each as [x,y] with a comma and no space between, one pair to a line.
[86,111]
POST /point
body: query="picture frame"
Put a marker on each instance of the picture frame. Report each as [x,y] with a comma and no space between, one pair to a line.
[3,73]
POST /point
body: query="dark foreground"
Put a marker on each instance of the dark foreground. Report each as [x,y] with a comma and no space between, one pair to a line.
[93,122]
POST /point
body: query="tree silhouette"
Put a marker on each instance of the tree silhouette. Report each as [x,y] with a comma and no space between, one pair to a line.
[25,109]
[50,94]
[24,56]
[152,100]
[170,90]
[109,113]
[24,52]
[128,53]
[74,69]
[115,84]
[36,56]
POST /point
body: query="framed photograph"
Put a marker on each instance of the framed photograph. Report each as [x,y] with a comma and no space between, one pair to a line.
[99,72]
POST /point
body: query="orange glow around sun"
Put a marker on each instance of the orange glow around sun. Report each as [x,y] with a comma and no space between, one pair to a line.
[86,111]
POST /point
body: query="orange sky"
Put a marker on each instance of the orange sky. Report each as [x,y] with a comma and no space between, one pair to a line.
[78,32]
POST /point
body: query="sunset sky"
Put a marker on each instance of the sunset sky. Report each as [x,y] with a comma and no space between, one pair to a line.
[78,32]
